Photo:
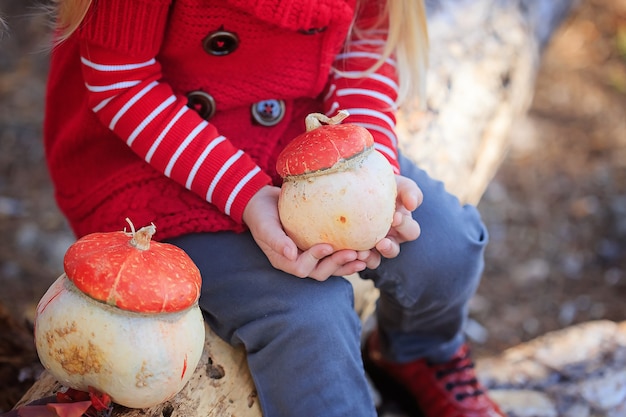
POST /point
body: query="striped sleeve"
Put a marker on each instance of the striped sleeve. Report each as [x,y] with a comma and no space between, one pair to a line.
[370,98]
[126,95]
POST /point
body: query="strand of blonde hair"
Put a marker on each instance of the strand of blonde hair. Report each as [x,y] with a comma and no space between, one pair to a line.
[408,38]
[69,14]
[407,41]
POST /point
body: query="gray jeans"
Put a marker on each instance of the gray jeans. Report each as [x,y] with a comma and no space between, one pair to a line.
[302,336]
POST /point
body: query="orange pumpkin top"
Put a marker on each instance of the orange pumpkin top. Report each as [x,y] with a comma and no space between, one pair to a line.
[321,148]
[129,271]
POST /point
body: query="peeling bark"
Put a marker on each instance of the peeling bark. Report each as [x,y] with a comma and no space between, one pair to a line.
[484,58]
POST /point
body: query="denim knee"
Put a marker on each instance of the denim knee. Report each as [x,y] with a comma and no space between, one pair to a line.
[303,343]
[455,259]
[444,264]
[323,310]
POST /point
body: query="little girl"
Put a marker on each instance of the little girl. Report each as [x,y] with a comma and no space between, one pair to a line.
[174,111]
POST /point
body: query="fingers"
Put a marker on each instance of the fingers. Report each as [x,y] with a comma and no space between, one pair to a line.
[409,194]
[404,227]
[273,240]
[278,242]
[306,262]
[371,258]
[318,264]
[312,257]
[322,273]
[343,262]
[388,248]
[290,251]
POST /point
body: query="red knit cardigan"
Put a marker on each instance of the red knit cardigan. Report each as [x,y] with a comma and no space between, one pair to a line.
[122,142]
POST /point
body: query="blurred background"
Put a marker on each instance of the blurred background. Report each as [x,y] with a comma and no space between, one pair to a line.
[556,209]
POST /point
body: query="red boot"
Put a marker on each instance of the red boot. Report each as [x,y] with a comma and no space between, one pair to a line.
[447,389]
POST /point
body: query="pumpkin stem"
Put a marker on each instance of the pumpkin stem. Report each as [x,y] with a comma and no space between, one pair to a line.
[315,120]
[141,238]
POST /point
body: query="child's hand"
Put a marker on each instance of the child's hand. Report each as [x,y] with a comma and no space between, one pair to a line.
[319,262]
[403,227]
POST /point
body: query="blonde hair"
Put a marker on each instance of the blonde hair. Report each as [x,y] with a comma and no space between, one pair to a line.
[407,39]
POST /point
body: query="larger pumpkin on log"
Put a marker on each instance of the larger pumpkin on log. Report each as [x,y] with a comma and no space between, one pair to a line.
[123,318]
[337,188]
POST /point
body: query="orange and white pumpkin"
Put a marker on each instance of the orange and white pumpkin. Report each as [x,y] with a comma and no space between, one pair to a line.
[123,318]
[337,188]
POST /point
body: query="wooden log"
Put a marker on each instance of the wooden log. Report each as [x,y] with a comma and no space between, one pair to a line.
[220,386]
[483,61]
[484,57]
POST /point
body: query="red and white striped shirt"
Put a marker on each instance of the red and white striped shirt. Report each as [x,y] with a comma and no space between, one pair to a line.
[124,79]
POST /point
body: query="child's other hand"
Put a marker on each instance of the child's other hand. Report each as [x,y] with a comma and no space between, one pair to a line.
[403,227]
[319,262]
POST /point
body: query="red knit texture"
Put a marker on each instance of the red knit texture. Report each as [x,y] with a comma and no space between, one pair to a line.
[121,142]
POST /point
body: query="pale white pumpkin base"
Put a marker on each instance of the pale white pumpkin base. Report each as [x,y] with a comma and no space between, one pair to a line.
[350,208]
[140,360]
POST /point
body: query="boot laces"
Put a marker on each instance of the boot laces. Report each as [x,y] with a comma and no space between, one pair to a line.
[455,373]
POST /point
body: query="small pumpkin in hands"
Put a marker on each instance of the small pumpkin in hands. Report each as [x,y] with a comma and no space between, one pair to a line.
[123,318]
[337,188]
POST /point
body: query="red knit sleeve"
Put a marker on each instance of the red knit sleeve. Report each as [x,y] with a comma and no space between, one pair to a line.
[119,42]
[370,99]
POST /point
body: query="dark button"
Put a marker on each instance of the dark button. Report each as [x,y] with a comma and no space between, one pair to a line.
[312,31]
[220,42]
[201,102]
[268,112]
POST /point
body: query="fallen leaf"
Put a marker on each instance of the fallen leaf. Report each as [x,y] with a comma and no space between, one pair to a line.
[100,400]
[72,395]
[76,409]
[35,411]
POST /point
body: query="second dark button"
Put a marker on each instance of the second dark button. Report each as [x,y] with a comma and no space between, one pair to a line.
[201,102]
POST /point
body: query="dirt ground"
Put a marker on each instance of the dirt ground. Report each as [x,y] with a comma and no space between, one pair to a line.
[556,209]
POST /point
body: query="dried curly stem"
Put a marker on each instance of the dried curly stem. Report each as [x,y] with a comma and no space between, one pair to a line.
[141,238]
[315,120]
